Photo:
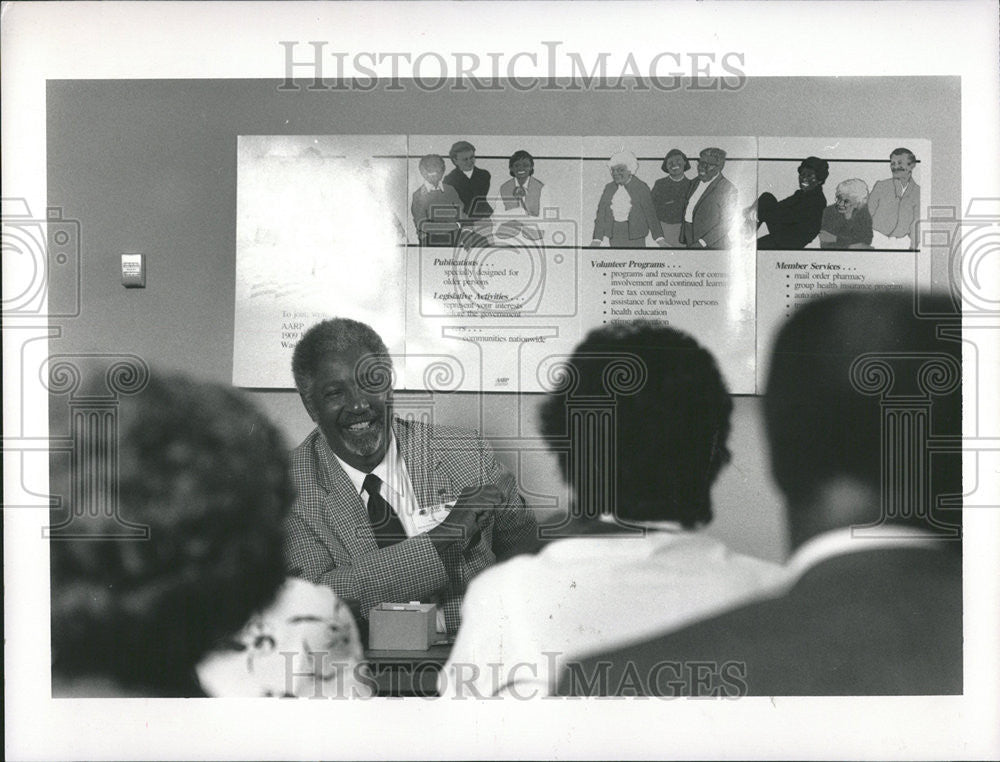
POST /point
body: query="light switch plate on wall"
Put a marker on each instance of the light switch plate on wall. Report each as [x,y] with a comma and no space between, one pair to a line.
[134,270]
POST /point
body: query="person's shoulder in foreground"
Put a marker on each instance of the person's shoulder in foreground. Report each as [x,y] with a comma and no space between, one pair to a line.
[874,603]
[644,569]
[887,623]
[589,593]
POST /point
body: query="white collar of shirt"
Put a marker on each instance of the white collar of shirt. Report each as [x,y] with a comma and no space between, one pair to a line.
[396,486]
[428,187]
[703,186]
[358,477]
[900,187]
[840,542]
[469,173]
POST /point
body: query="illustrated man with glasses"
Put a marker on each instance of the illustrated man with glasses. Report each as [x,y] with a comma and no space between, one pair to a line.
[894,204]
[711,205]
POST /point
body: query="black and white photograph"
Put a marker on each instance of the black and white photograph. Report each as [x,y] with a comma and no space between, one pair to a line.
[510,380]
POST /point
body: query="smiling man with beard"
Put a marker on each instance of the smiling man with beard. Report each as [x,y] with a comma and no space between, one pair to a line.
[390,510]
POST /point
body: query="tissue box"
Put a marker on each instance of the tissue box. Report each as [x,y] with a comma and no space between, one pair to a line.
[402,626]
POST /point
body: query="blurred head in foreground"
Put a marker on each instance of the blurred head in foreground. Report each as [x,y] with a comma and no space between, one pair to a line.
[207,474]
[670,409]
[836,364]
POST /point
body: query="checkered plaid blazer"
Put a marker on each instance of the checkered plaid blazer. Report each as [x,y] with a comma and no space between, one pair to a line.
[328,538]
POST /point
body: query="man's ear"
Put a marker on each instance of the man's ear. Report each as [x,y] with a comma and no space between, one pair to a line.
[308,405]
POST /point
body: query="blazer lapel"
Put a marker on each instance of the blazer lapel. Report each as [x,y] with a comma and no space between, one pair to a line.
[708,191]
[345,513]
[461,180]
[431,486]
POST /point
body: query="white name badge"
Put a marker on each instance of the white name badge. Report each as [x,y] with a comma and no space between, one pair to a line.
[427,518]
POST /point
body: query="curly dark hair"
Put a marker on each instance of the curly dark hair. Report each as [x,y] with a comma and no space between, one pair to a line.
[208,474]
[820,166]
[671,412]
[336,336]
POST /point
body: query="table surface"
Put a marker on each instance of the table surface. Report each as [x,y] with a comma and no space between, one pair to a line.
[436,653]
[400,674]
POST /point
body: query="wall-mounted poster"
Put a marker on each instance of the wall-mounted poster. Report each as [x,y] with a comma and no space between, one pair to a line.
[837,214]
[487,302]
[484,259]
[320,228]
[677,255]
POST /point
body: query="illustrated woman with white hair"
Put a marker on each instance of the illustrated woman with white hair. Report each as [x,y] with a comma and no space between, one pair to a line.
[847,224]
[625,213]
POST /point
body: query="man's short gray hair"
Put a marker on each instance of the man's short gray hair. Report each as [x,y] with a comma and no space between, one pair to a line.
[334,337]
